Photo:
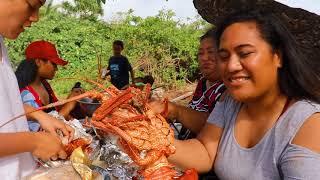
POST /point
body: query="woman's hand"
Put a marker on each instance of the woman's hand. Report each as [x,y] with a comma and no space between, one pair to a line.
[165,108]
[52,125]
[49,123]
[157,106]
[47,146]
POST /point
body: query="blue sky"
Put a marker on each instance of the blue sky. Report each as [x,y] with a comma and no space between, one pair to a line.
[182,8]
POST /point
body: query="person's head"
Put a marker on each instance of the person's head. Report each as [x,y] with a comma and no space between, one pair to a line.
[42,58]
[117,47]
[258,56]
[26,73]
[207,56]
[15,15]
[148,80]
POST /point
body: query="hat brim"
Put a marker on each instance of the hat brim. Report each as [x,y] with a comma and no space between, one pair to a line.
[58,61]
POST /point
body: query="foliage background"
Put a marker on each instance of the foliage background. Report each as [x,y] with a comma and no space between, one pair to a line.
[159,45]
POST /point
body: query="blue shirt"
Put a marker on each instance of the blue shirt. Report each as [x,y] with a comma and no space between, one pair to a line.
[28,98]
[119,67]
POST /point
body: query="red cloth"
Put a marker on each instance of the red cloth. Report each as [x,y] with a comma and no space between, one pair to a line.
[205,99]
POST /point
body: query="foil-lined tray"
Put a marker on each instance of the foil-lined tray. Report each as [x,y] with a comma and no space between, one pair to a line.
[107,160]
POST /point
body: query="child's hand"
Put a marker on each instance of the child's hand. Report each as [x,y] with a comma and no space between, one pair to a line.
[104,73]
[47,146]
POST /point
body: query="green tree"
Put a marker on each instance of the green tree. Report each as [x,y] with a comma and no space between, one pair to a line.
[101,1]
[84,9]
[157,45]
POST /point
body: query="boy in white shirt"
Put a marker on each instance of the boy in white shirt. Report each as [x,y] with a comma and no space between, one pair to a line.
[16,142]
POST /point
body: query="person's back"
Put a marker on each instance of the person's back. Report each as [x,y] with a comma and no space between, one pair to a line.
[119,67]
[119,71]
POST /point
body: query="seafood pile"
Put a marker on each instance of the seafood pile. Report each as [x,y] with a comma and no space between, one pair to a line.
[143,135]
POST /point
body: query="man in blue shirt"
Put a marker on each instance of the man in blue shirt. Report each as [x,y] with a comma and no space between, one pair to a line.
[119,67]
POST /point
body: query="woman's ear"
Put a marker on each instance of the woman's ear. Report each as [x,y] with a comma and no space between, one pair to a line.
[278,58]
[38,62]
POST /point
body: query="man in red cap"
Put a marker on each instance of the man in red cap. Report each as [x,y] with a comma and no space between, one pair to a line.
[17,144]
[32,74]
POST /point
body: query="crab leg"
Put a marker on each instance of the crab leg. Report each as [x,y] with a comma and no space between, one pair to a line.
[59,103]
[108,106]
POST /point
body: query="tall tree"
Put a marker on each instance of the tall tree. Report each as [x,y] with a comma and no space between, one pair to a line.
[84,9]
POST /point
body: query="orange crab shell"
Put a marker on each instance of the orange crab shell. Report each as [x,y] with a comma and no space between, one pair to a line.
[74,144]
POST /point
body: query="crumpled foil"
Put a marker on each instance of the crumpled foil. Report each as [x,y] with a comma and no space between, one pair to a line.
[119,164]
[104,174]
[106,150]
[80,131]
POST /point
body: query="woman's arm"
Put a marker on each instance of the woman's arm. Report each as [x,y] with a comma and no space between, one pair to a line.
[14,143]
[308,135]
[191,119]
[42,145]
[49,123]
[301,159]
[198,153]
[66,109]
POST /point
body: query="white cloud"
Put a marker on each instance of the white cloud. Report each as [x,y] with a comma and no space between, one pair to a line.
[144,8]
[309,5]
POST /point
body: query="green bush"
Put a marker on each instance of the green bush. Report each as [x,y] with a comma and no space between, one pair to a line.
[157,45]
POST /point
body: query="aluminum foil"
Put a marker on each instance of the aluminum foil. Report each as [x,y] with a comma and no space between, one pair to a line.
[80,131]
[119,164]
[113,162]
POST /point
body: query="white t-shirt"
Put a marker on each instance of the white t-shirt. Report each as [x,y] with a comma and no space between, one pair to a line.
[19,165]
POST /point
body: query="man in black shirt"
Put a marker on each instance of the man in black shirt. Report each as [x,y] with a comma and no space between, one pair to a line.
[119,67]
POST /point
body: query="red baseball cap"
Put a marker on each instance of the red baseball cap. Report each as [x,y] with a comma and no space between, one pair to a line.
[44,50]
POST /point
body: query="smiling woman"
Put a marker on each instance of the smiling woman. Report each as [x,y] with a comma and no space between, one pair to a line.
[268,125]
[248,63]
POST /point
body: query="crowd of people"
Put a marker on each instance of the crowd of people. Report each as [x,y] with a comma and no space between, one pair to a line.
[253,115]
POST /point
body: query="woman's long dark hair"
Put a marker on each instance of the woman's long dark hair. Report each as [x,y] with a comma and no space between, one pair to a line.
[210,33]
[299,77]
[26,72]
